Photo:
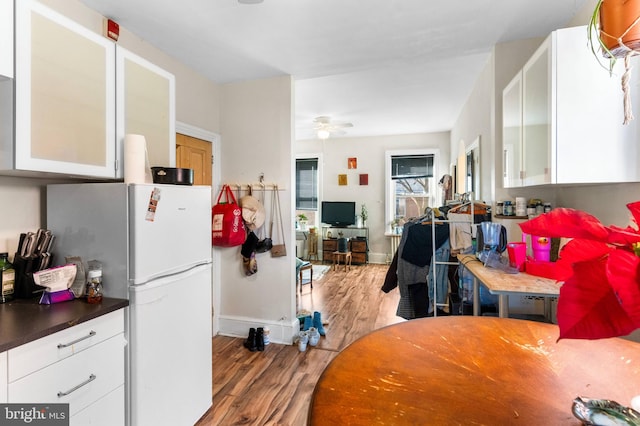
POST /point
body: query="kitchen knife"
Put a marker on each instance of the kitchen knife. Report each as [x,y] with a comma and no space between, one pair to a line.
[23,236]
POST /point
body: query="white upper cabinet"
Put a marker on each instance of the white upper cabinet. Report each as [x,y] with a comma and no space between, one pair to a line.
[145,106]
[571,118]
[71,102]
[65,95]
[6,39]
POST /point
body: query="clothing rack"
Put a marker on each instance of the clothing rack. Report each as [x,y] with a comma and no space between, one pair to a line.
[467,201]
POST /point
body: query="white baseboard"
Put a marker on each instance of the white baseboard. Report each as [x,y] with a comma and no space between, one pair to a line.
[381,258]
[282,332]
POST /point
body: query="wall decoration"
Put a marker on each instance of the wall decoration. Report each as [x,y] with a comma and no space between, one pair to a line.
[342,180]
[364,179]
[352,163]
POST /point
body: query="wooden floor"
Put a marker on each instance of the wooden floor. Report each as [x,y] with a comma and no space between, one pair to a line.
[274,387]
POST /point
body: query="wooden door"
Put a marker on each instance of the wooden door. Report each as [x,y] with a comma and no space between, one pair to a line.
[194,153]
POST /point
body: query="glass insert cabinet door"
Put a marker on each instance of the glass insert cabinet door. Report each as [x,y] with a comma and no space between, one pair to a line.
[536,113]
[65,95]
[512,133]
[145,106]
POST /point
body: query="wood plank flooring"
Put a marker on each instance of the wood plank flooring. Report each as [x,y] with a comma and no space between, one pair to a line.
[274,387]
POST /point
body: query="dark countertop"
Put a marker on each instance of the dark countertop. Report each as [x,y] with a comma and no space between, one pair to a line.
[24,320]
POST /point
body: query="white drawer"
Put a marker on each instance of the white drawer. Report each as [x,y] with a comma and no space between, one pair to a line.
[32,356]
[85,377]
[107,411]
[3,377]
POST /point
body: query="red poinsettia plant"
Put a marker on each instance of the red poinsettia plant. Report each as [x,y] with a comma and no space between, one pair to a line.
[600,270]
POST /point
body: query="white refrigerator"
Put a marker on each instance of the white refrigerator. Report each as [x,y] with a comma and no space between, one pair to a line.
[154,243]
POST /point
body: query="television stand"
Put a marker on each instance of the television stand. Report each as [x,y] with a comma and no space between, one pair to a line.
[358,243]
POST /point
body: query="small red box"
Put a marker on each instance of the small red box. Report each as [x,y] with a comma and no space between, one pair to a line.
[111,29]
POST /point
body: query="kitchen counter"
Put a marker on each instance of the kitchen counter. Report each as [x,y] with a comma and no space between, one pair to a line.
[24,320]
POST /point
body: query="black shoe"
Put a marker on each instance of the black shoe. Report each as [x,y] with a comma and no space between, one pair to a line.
[250,343]
[260,339]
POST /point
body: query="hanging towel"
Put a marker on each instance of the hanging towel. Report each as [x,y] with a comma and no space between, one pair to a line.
[460,231]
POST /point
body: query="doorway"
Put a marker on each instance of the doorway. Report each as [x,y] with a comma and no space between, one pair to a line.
[194,153]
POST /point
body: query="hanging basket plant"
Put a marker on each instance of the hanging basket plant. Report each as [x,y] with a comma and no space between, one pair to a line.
[616,26]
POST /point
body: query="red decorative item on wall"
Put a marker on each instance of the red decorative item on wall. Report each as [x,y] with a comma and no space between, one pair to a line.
[364,179]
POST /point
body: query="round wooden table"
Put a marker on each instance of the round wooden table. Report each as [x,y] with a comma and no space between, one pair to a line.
[471,370]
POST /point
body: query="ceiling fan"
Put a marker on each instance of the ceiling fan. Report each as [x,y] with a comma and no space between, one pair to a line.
[324,127]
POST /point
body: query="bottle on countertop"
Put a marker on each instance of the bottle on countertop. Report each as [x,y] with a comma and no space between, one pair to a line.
[94,282]
[547,207]
[7,278]
[508,209]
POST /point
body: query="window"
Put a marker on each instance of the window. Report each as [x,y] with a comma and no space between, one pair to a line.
[307,188]
[410,184]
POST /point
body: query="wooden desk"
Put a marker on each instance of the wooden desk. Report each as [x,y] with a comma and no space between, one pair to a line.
[466,370]
[346,255]
[503,284]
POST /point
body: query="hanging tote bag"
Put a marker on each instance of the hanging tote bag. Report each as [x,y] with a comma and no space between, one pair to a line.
[278,250]
[227,227]
[265,244]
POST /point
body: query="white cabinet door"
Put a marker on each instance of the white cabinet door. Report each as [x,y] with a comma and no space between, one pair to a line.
[107,411]
[65,111]
[145,106]
[512,133]
[592,144]
[537,116]
[6,39]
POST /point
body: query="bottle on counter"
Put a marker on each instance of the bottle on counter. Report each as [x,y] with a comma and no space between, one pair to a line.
[94,282]
[508,209]
[531,210]
[7,278]
[499,208]
[547,207]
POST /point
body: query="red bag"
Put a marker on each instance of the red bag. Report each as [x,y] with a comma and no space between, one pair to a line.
[227,226]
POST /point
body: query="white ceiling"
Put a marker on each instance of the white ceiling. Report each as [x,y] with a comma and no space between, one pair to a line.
[387,66]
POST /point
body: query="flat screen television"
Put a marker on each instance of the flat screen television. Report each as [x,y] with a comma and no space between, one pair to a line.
[339,213]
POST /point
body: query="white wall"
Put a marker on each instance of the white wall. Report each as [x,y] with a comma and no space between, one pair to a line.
[370,152]
[257,129]
[475,120]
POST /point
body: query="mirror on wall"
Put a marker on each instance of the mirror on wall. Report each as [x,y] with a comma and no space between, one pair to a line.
[468,168]
[472,160]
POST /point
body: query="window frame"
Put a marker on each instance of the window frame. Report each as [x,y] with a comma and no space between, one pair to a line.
[389,198]
[303,156]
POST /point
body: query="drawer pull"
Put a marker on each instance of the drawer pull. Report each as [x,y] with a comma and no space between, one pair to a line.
[75,388]
[65,345]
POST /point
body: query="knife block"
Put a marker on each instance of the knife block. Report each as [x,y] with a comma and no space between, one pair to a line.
[25,287]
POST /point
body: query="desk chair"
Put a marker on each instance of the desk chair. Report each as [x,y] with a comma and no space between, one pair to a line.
[302,265]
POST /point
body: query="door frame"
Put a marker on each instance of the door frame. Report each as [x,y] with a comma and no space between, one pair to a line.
[216,173]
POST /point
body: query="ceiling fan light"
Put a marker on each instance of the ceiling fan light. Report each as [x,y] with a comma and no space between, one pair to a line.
[323,134]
